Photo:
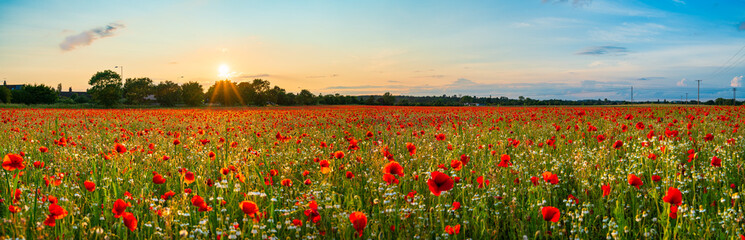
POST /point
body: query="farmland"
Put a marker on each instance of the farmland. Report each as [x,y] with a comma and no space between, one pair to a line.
[356,172]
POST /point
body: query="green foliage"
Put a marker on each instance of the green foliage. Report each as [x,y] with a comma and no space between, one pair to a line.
[168,93]
[5,95]
[192,93]
[305,97]
[136,89]
[35,94]
[106,87]
[224,93]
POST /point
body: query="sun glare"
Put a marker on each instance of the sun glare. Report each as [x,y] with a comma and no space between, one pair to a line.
[223,71]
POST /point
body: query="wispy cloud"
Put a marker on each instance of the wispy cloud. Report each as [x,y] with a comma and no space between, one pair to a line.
[736,81]
[576,3]
[253,76]
[323,76]
[628,32]
[604,50]
[87,37]
[650,78]
[681,83]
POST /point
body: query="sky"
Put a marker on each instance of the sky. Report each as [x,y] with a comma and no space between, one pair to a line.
[542,49]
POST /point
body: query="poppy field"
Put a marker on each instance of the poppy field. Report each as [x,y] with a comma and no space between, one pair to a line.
[356,172]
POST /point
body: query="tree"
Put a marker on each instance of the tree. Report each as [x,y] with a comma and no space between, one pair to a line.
[261,88]
[168,93]
[35,94]
[136,89]
[192,93]
[106,87]
[305,97]
[5,95]
[388,99]
[247,92]
[223,92]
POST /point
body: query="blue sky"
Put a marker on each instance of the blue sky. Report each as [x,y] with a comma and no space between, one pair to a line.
[575,49]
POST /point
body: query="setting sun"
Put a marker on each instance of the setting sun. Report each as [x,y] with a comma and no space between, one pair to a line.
[223,71]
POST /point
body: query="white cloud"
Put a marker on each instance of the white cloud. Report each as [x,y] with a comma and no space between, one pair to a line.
[87,37]
[736,81]
[681,83]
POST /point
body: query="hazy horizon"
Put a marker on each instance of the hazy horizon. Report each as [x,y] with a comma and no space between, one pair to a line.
[542,49]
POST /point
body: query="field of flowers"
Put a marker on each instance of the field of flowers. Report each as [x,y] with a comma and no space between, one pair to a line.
[373,173]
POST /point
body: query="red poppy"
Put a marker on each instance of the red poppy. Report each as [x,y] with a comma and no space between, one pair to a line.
[167,195]
[656,178]
[90,186]
[440,137]
[464,159]
[439,182]
[534,180]
[297,222]
[411,147]
[338,154]
[249,208]
[349,175]
[550,214]
[673,196]
[635,181]
[286,182]
[504,161]
[480,181]
[390,179]
[708,137]
[716,162]
[199,202]
[55,213]
[359,221]
[452,230]
[211,154]
[618,144]
[43,149]
[456,206]
[189,177]
[176,142]
[325,166]
[606,190]
[394,168]
[456,165]
[158,179]
[549,177]
[312,212]
[130,221]
[120,148]
[12,162]
[13,209]
[119,208]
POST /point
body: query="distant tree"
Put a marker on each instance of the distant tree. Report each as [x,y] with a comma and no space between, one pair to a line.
[247,92]
[192,93]
[80,98]
[370,100]
[168,93]
[223,92]
[5,95]
[305,97]
[261,88]
[35,94]
[388,99]
[59,87]
[136,89]
[106,87]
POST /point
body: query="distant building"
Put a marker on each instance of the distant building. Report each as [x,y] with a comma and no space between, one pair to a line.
[12,87]
[70,93]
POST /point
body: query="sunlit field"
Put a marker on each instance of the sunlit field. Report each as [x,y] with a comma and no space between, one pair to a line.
[373,173]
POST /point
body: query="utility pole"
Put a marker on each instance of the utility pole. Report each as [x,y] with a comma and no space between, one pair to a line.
[632,94]
[121,71]
[698,93]
[686,97]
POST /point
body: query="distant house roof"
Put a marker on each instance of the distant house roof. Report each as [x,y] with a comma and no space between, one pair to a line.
[13,86]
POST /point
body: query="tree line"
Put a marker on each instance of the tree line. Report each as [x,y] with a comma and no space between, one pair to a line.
[107,89]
